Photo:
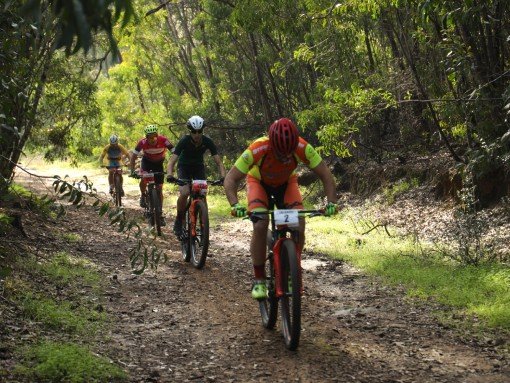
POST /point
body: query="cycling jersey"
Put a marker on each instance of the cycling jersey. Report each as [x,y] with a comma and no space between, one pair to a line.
[114,152]
[260,162]
[190,154]
[156,152]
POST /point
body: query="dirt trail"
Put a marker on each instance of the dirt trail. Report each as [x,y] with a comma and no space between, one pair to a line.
[180,324]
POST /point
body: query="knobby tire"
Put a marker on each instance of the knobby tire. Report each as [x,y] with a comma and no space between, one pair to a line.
[118,189]
[199,244]
[291,300]
[269,307]
[155,209]
[185,239]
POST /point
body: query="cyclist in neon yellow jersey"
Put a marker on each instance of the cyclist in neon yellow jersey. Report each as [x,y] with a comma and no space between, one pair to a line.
[269,164]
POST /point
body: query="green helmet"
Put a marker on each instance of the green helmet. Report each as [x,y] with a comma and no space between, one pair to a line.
[151,129]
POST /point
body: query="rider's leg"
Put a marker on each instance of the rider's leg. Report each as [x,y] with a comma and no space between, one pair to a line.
[110,177]
[160,193]
[181,201]
[258,245]
[257,201]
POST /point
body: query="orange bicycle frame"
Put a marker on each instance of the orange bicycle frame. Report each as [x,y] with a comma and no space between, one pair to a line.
[277,265]
[198,191]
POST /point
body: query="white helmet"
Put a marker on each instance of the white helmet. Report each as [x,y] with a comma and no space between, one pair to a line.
[114,139]
[196,123]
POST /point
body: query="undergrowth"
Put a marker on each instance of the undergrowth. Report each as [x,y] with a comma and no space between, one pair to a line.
[56,299]
[481,291]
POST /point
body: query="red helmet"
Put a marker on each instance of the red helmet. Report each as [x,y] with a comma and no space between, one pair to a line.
[283,136]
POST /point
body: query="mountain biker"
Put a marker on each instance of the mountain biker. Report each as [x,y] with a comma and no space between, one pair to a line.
[154,147]
[269,164]
[189,156]
[114,152]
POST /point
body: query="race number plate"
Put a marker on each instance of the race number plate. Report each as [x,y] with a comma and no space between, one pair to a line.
[287,217]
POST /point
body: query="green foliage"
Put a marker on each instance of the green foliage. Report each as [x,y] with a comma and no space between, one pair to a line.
[65,362]
[77,21]
[145,253]
[68,122]
[343,113]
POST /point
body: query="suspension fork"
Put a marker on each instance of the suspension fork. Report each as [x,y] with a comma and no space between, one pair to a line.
[277,266]
[192,216]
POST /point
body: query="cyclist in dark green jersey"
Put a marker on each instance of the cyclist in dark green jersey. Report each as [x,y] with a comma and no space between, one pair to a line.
[189,157]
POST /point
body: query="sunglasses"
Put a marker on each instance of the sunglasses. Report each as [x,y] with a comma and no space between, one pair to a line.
[197,131]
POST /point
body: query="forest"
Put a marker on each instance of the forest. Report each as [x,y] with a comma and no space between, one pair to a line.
[364,80]
[408,103]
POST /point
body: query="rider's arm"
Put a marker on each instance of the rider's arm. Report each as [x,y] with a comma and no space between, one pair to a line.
[231,184]
[125,152]
[218,161]
[105,150]
[132,162]
[171,164]
[328,181]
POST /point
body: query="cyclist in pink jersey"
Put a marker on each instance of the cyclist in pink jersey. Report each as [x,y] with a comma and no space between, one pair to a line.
[154,147]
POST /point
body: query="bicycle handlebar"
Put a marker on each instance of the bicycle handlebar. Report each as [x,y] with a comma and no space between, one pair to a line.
[184,181]
[309,213]
[145,174]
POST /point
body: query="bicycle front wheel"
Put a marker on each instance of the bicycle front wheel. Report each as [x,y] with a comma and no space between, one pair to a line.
[118,189]
[291,300]
[155,209]
[269,307]
[185,239]
[199,241]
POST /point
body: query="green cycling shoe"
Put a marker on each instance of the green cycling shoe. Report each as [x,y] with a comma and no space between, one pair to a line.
[259,290]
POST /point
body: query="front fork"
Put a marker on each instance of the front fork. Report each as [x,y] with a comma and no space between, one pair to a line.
[280,291]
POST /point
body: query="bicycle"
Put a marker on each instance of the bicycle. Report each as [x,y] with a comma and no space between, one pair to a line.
[195,232]
[117,191]
[153,210]
[283,272]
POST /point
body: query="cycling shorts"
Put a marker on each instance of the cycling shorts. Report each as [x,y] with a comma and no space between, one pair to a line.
[188,172]
[150,166]
[114,164]
[287,196]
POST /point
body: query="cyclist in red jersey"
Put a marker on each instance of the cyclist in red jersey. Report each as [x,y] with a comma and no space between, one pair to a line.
[154,147]
[269,164]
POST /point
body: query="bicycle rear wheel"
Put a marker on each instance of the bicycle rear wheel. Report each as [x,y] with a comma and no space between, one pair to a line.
[155,209]
[185,239]
[291,300]
[199,243]
[118,189]
[269,307]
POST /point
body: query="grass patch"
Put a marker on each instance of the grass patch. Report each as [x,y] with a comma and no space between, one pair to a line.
[72,237]
[398,188]
[64,269]
[56,362]
[482,290]
[67,316]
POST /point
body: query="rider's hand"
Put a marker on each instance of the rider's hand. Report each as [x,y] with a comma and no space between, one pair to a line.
[170,178]
[238,210]
[330,209]
[221,180]
[133,174]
